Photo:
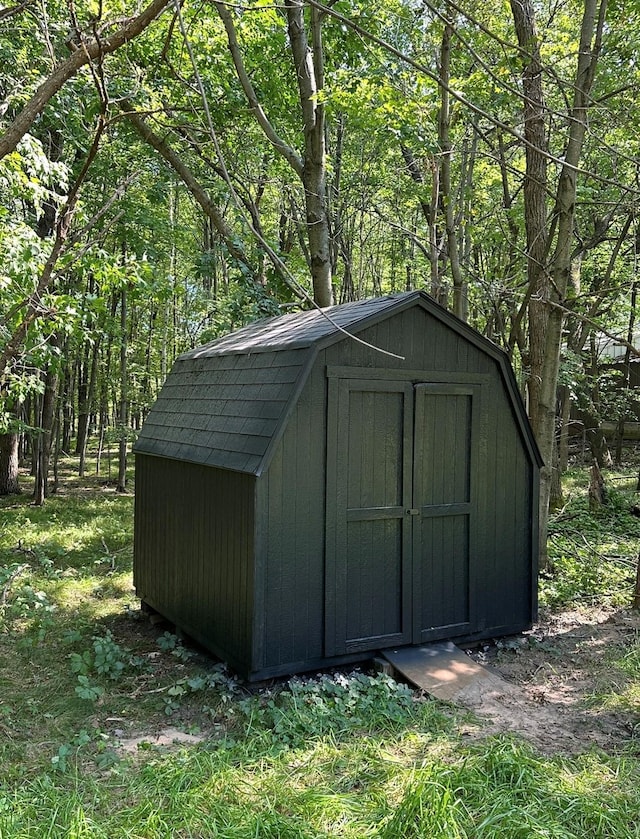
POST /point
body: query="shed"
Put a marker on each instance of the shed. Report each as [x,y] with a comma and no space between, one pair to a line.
[304,500]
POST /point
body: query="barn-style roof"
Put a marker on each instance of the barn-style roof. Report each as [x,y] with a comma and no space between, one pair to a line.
[226,404]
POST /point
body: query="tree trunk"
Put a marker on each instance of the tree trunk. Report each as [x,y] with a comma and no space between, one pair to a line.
[430,212]
[67,409]
[9,484]
[82,385]
[565,422]
[535,209]
[546,294]
[535,198]
[460,299]
[57,431]
[123,416]
[556,498]
[636,592]
[88,406]
[310,166]
[626,369]
[47,419]
[309,64]
[104,386]
[437,291]
[597,489]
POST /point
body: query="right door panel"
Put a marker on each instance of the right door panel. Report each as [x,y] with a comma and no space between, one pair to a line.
[443,499]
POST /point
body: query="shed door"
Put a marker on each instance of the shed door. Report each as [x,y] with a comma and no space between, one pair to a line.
[398,508]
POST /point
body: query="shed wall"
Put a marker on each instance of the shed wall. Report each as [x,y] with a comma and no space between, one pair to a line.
[194,546]
[291,494]
[503,525]
[291,507]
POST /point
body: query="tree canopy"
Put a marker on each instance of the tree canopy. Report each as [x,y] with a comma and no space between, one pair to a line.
[171,171]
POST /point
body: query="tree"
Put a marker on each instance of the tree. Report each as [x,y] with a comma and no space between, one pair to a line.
[87,49]
[9,483]
[549,277]
[310,165]
[252,157]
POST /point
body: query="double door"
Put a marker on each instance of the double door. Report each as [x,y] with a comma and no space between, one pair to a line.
[400,503]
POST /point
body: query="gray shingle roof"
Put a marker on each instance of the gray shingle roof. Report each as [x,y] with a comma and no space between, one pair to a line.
[222,410]
[224,404]
[300,329]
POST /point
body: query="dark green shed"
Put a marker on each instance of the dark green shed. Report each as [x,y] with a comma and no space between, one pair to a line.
[303,500]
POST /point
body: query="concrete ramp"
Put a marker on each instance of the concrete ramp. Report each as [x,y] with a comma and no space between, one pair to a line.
[445,672]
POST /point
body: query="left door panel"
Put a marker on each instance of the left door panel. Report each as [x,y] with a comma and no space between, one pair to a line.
[368,530]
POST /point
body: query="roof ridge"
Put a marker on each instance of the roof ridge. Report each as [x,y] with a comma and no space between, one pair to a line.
[297,330]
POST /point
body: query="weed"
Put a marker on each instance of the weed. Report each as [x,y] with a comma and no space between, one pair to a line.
[333,706]
[224,687]
[84,746]
[592,557]
[106,659]
[168,642]
[19,599]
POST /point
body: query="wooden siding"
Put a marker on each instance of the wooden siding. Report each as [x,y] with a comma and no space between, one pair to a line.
[369,471]
[501,536]
[290,589]
[194,546]
[291,499]
[248,561]
[447,482]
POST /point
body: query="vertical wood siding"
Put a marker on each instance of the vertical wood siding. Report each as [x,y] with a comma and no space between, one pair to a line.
[447,471]
[496,579]
[291,499]
[373,462]
[194,547]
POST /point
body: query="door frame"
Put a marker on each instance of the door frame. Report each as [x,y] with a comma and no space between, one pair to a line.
[339,380]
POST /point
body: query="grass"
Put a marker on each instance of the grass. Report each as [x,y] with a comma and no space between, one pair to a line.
[592,557]
[338,755]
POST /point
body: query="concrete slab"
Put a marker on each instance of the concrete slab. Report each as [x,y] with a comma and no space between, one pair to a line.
[445,672]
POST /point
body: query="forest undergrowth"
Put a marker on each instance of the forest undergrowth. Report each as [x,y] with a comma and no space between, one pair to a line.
[111,726]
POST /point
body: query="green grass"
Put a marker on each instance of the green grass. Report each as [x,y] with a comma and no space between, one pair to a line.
[358,787]
[593,557]
[339,755]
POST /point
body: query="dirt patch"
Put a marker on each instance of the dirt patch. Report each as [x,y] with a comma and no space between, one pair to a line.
[164,737]
[565,689]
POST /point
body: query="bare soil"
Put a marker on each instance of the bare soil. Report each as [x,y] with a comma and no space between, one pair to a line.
[564,688]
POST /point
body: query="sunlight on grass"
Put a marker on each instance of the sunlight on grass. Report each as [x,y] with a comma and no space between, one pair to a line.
[497,789]
[71,533]
[622,694]
[95,594]
[351,755]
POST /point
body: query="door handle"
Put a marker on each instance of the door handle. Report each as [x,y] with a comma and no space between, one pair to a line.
[412,512]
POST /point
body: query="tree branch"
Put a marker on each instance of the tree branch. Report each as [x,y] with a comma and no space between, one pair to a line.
[10,11]
[280,145]
[89,51]
[188,178]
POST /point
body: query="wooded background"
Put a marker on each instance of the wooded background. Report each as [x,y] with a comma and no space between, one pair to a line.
[171,172]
